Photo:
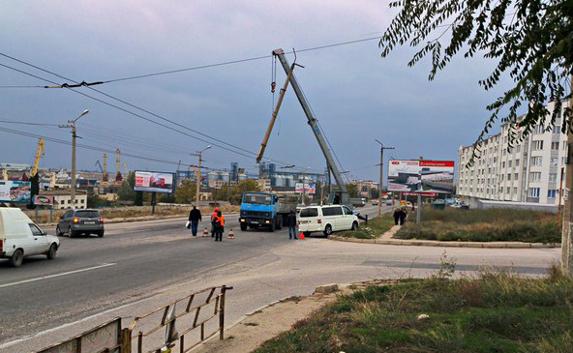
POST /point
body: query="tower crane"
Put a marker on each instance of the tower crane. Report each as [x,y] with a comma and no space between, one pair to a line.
[340,196]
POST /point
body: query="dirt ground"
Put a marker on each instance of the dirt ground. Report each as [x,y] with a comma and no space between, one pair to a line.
[270,321]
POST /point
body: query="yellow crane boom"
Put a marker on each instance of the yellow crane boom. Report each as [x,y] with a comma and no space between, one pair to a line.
[40,150]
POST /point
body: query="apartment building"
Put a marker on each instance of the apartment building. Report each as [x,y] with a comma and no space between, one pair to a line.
[531,171]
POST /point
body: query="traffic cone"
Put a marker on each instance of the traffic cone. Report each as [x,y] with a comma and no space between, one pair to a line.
[301,236]
[205,232]
[231,234]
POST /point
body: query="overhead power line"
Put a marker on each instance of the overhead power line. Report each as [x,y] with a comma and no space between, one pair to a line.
[129,112]
[26,123]
[190,68]
[84,146]
[237,61]
[219,143]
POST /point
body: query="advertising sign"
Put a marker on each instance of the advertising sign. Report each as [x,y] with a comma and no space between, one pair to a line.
[306,188]
[153,182]
[15,191]
[43,200]
[424,176]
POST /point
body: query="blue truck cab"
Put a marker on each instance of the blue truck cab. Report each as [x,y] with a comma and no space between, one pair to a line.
[260,209]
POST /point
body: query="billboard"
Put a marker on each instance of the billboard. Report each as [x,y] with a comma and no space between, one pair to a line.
[153,182]
[43,200]
[15,191]
[425,176]
[305,188]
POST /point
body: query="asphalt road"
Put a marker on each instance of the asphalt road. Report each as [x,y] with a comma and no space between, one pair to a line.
[139,266]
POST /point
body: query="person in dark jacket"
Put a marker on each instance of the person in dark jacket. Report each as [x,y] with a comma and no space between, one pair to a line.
[291,223]
[396,216]
[194,218]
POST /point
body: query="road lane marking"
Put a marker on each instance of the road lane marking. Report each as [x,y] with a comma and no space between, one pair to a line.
[56,275]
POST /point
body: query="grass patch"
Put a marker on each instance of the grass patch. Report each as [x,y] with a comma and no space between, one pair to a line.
[484,225]
[374,229]
[489,314]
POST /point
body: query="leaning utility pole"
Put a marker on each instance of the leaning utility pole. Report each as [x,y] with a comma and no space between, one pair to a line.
[381,187]
[72,125]
[566,245]
[199,155]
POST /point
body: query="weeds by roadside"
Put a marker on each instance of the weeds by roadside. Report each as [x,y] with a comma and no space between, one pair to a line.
[493,312]
[371,230]
[484,225]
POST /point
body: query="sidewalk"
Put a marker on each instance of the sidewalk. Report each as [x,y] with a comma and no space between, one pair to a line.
[388,239]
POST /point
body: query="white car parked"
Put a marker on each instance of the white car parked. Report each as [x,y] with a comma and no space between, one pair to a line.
[326,219]
[20,237]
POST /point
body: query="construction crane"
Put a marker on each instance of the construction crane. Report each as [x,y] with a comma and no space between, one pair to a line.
[125,169]
[118,176]
[340,196]
[40,150]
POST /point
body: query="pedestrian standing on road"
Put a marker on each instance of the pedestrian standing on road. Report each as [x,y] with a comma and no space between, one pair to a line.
[194,218]
[213,217]
[219,226]
[291,223]
[403,215]
[396,216]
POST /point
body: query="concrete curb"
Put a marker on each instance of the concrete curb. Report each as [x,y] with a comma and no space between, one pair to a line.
[451,244]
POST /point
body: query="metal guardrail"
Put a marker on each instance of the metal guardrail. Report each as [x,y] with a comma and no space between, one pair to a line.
[106,338]
[178,320]
[167,329]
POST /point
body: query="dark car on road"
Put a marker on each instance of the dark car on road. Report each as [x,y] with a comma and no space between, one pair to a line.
[77,222]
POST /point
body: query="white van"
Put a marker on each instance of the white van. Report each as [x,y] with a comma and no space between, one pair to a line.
[326,219]
[20,237]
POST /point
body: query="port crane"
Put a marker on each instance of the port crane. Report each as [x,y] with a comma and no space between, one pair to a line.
[341,195]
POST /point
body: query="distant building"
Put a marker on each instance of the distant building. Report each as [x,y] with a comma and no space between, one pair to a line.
[63,198]
[287,179]
[365,187]
[532,171]
[217,179]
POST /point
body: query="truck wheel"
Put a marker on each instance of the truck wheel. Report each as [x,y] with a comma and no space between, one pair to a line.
[71,233]
[17,258]
[328,230]
[100,233]
[279,222]
[244,227]
[273,223]
[51,254]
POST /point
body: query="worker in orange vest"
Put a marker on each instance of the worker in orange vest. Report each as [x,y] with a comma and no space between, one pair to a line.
[219,226]
[213,217]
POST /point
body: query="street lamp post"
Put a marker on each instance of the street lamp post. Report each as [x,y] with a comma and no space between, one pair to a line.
[72,125]
[199,155]
[381,187]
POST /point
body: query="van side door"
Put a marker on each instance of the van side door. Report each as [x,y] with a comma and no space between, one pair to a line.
[40,241]
[348,218]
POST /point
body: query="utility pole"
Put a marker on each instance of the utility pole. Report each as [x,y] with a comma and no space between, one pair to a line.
[566,251]
[72,125]
[199,155]
[381,188]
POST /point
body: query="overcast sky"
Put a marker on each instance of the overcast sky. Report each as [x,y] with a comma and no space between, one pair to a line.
[356,95]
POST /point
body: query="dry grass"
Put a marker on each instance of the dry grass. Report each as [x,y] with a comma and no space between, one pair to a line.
[495,312]
[484,225]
